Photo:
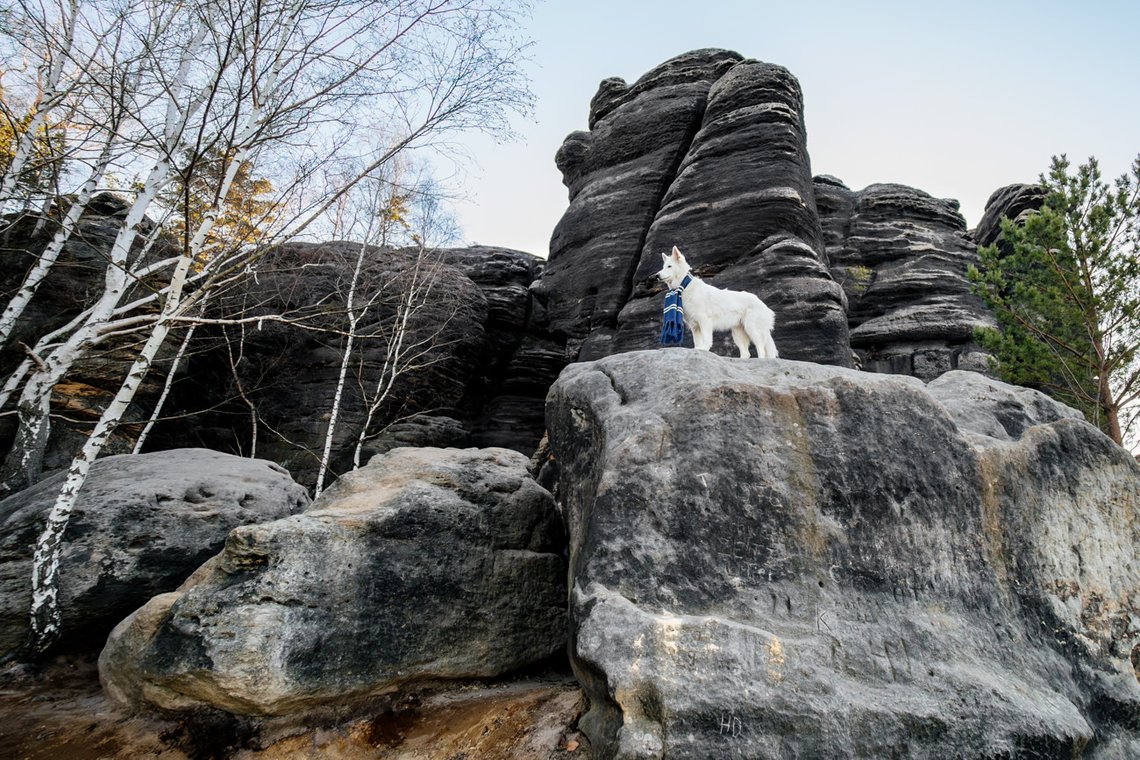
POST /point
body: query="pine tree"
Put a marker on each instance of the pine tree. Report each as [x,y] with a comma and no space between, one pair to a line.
[245,214]
[45,162]
[1065,286]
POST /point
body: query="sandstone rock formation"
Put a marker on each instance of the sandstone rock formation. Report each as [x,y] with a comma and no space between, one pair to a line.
[707,152]
[142,525]
[76,278]
[425,564]
[503,398]
[781,559]
[277,381]
[901,256]
[1010,202]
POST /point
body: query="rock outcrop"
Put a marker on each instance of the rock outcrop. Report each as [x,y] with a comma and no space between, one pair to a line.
[1009,202]
[426,564]
[901,256]
[781,559]
[503,400]
[707,152]
[70,287]
[270,387]
[141,526]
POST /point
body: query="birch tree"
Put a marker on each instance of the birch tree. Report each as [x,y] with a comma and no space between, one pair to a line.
[55,28]
[385,211]
[413,337]
[286,85]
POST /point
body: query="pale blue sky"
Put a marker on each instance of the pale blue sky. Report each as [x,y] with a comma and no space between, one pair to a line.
[955,98]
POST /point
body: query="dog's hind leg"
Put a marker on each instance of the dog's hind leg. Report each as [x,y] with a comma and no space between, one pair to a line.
[759,329]
[770,351]
[740,337]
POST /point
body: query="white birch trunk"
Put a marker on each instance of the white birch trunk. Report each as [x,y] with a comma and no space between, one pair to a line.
[45,614]
[158,405]
[48,258]
[31,408]
[353,320]
[388,372]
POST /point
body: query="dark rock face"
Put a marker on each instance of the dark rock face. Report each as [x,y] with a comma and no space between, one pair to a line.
[778,559]
[1010,202]
[901,256]
[617,174]
[71,285]
[142,525]
[426,564]
[706,152]
[268,387]
[503,400]
[461,343]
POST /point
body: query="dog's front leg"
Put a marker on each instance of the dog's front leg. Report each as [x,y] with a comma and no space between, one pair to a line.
[702,338]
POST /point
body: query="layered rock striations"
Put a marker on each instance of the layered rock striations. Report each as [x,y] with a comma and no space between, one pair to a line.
[617,174]
[901,257]
[141,526]
[1009,202]
[706,152]
[426,564]
[781,559]
[502,403]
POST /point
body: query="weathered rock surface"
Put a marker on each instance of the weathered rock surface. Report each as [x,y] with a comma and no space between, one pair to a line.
[60,711]
[504,398]
[776,559]
[79,398]
[901,256]
[141,526]
[425,564]
[1010,202]
[617,174]
[279,393]
[707,152]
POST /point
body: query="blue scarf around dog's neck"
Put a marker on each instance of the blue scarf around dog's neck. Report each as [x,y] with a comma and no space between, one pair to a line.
[673,328]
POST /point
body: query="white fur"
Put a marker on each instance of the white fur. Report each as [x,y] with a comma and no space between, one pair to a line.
[709,308]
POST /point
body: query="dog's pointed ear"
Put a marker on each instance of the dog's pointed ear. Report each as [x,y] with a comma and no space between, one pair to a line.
[664,257]
[676,253]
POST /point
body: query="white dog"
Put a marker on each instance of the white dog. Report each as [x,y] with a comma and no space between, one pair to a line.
[708,308]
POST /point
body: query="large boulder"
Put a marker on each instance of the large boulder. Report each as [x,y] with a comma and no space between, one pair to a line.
[426,564]
[141,526]
[778,559]
[707,152]
[901,256]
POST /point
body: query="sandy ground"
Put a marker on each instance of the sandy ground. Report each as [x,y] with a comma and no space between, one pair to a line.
[58,712]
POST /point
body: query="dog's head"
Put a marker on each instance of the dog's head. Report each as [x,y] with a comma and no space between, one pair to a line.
[673,268]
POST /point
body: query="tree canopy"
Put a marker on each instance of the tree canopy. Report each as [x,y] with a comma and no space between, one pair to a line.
[1065,286]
